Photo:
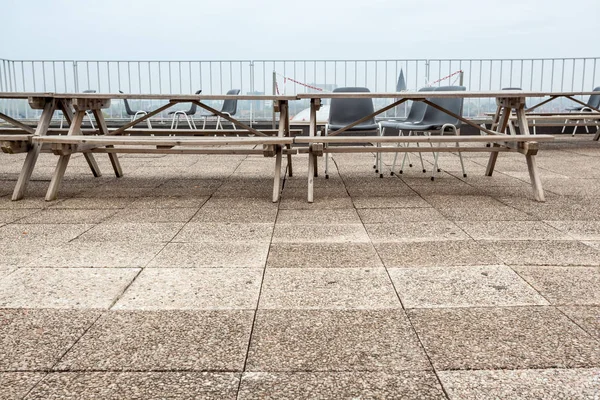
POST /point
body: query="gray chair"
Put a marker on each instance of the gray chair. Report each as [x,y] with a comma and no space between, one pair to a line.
[435,120]
[186,114]
[229,107]
[416,114]
[593,102]
[135,114]
[343,112]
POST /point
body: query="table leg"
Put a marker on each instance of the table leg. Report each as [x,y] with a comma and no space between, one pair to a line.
[504,118]
[277,179]
[312,159]
[65,107]
[34,152]
[63,161]
[530,152]
[311,165]
[114,159]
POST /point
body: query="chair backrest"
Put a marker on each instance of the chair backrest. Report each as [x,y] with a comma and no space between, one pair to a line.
[594,100]
[89,91]
[417,109]
[127,108]
[230,106]
[436,117]
[194,106]
[346,111]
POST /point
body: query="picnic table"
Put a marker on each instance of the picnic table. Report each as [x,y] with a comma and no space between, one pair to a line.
[509,103]
[127,139]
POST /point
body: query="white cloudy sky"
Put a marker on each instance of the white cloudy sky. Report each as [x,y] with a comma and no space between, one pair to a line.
[305,29]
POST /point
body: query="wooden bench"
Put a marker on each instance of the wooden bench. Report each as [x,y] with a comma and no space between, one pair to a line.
[15,143]
[65,145]
[525,144]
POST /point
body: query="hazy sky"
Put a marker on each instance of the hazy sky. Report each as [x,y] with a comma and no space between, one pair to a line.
[301,29]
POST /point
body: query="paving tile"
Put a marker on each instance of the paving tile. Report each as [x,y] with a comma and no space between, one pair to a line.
[468,286]
[41,233]
[320,202]
[96,203]
[415,231]
[15,385]
[469,201]
[398,215]
[6,270]
[320,217]
[491,213]
[327,288]
[587,317]
[64,216]
[212,255]
[64,287]
[434,253]
[132,232]
[503,338]
[27,203]
[153,215]
[8,216]
[168,202]
[34,340]
[193,289]
[422,385]
[340,340]
[388,202]
[124,254]
[541,384]
[224,232]
[236,214]
[564,285]
[557,208]
[163,340]
[340,233]
[544,252]
[323,255]
[510,230]
[137,385]
[580,230]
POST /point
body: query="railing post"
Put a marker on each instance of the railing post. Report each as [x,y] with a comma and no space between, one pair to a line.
[75,77]
[274,93]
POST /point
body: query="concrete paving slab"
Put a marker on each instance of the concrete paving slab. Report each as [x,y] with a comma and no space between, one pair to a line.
[64,287]
[64,216]
[587,317]
[168,202]
[153,215]
[415,232]
[163,340]
[96,203]
[9,216]
[466,286]
[338,233]
[340,340]
[212,255]
[580,230]
[543,252]
[564,285]
[137,385]
[323,255]
[321,202]
[193,289]
[96,254]
[540,384]
[132,232]
[409,385]
[511,230]
[389,202]
[15,385]
[503,338]
[225,232]
[40,234]
[434,253]
[398,215]
[251,214]
[327,288]
[319,217]
[34,340]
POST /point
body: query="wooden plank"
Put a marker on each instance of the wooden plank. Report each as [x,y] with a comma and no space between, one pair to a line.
[34,152]
[412,95]
[15,138]
[163,140]
[15,146]
[503,122]
[16,123]
[410,149]
[534,176]
[422,139]
[114,159]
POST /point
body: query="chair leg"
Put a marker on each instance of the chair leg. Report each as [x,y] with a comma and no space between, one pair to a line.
[421,158]
[326,154]
[575,128]
[203,123]
[381,132]
[188,120]
[173,121]
[565,126]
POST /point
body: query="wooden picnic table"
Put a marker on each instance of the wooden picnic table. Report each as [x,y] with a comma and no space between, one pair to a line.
[75,106]
[508,101]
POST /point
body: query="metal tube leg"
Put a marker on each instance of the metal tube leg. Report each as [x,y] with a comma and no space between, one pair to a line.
[564,127]
[326,154]
[421,158]
[311,162]
[396,154]
[188,121]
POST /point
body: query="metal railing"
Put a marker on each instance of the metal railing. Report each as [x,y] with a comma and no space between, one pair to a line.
[270,76]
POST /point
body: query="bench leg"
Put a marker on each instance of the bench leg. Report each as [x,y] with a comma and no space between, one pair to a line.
[311,175]
[277,179]
[534,176]
[57,178]
[26,172]
[116,164]
[597,136]
[316,166]
[491,162]
[289,159]
[89,157]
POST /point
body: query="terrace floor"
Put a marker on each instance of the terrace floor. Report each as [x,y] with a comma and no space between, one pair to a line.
[183,280]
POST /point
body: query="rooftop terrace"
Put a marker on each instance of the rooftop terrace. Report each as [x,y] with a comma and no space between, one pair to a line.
[182,279]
